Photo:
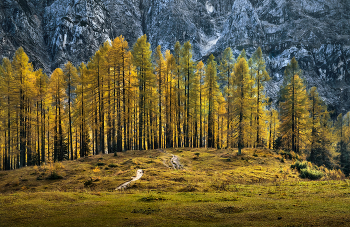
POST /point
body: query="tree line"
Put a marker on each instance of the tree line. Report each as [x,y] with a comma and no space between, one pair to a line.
[135,99]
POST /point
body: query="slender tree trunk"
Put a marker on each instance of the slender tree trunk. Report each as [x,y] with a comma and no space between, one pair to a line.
[76,143]
[188,103]
[195,139]
[228,109]
[22,134]
[82,131]
[167,112]
[109,119]
[43,130]
[96,146]
[171,133]
[124,104]
[240,126]
[200,116]
[101,111]
[141,111]
[8,152]
[70,136]
[293,119]
[56,149]
[178,110]
[258,142]
[128,123]
[60,133]
[119,119]
[160,107]
[114,142]
[38,122]
[270,141]
[48,136]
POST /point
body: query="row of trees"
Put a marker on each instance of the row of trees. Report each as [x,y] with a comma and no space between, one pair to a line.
[134,99]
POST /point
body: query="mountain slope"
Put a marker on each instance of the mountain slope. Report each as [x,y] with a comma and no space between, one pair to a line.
[316,32]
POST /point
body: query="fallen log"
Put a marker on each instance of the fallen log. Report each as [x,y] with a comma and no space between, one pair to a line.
[139,174]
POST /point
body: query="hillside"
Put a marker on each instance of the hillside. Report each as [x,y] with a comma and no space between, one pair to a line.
[214,188]
[212,167]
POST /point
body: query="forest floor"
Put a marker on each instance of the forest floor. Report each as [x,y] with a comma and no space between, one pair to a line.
[214,188]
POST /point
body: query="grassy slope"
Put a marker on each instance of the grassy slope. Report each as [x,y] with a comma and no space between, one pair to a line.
[217,189]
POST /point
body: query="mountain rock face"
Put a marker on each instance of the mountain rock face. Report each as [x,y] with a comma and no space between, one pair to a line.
[316,32]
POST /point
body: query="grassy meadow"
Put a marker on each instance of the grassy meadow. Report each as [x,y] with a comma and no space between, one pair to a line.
[215,188]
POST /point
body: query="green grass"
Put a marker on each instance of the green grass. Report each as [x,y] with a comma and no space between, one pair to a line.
[254,189]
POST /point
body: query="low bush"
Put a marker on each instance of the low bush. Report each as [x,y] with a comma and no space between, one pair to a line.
[288,154]
[151,198]
[112,165]
[100,164]
[299,165]
[188,188]
[54,176]
[311,174]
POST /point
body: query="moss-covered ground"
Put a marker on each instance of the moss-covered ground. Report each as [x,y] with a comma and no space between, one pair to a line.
[215,188]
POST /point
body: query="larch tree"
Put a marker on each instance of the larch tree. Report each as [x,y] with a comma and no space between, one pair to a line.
[187,68]
[250,138]
[195,102]
[261,76]
[122,68]
[57,91]
[22,69]
[211,88]
[273,126]
[84,109]
[160,70]
[177,56]
[8,102]
[225,77]
[291,70]
[200,74]
[98,67]
[294,114]
[320,140]
[41,86]
[170,101]
[143,62]
[242,84]
[70,76]
[342,146]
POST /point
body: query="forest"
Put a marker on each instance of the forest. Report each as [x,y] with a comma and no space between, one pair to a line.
[135,99]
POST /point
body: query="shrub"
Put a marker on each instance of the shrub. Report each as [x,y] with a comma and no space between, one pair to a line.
[321,156]
[335,174]
[288,154]
[196,156]
[151,198]
[88,183]
[58,166]
[54,176]
[112,165]
[188,188]
[100,164]
[299,165]
[311,174]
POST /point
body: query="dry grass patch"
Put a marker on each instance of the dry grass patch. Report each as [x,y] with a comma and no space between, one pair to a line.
[218,188]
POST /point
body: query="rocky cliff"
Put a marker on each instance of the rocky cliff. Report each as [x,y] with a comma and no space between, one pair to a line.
[316,32]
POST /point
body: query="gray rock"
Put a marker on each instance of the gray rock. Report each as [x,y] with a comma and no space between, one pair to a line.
[316,32]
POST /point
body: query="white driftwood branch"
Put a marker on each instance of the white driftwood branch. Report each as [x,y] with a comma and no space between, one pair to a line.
[176,162]
[139,174]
